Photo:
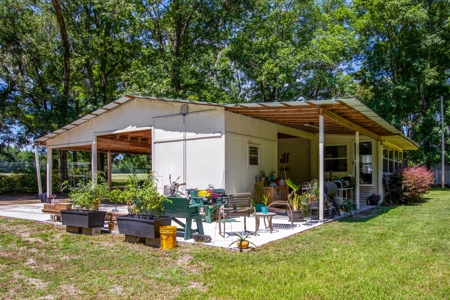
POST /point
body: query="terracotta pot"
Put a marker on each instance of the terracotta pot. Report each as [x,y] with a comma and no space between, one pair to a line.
[111,225]
[243,244]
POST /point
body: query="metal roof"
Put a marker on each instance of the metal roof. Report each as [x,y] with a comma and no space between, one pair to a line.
[342,116]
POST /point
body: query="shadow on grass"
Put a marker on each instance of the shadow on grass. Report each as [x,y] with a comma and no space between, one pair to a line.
[367,215]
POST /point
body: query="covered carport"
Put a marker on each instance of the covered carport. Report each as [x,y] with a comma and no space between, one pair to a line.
[130,140]
[322,117]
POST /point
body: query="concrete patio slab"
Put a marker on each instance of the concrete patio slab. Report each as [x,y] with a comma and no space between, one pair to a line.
[263,236]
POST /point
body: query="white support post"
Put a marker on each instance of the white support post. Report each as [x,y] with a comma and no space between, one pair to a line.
[357,168]
[94,160]
[380,170]
[109,169]
[321,166]
[49,171]
[38,169]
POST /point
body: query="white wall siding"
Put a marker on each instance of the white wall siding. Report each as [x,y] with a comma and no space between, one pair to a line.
[242,132]
[190,147]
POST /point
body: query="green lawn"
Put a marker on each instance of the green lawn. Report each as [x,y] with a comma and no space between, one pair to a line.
[403,253]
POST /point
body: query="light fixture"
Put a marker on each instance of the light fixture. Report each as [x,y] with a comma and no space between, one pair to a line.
[184,109]
[311,125]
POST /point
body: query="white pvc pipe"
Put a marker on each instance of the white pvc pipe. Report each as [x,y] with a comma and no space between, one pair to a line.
[38,169]
[94,160]
[357,168]
[109,168]
[49,171]
[321,166]
[380,170]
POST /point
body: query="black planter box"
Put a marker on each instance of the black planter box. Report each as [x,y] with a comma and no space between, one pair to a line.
[141,227]
[83,218]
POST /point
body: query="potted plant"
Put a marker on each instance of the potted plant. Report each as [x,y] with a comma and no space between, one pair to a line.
[295,199]
[242,241]
[262,175]
[272,175]
[257,196]
[264,208]
[117,196]
[373,199]
[86,202]
[146,210]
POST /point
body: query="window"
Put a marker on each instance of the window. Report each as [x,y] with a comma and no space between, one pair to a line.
[335,158]
[392,160]
[253,155]
[365,162]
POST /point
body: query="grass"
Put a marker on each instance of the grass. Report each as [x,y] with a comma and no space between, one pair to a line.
[400,253]
[122,179]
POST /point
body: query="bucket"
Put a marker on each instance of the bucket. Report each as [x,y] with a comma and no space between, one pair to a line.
[168,237]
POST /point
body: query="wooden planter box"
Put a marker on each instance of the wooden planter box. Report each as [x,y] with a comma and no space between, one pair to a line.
[83,218]
[141,227]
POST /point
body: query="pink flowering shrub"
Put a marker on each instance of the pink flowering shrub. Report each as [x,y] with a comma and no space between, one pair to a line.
[416,182]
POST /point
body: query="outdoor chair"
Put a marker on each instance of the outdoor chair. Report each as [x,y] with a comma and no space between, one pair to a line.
[283,208]
[306,187]
[239,205]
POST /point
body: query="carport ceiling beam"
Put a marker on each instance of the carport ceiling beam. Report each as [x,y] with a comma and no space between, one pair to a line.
[350,125]
[105,142]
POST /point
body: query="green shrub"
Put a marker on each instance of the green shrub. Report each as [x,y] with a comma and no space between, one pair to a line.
[26,182]
[18,183]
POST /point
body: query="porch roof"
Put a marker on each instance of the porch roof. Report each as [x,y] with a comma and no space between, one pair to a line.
[342,116]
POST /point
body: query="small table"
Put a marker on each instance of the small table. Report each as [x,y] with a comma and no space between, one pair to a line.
[269,217]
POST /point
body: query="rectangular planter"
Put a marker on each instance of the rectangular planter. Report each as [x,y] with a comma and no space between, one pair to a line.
[297,215]
[83,218]
[140,227]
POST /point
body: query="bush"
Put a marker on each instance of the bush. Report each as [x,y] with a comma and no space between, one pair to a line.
[416,181]
[18,183]
[26,182]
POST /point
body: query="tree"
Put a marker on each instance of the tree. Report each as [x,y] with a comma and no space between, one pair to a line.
[404,63]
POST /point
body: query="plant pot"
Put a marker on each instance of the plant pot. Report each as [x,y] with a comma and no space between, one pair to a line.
[243,244]
[296,215]
[258,207]
[111,225]
[142,226]
[264,209]
[83,218]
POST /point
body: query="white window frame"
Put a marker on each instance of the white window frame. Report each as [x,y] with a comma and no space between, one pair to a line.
[258,157]
[338,158]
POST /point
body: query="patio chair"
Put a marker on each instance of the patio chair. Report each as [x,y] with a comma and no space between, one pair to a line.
[306,187]
[239,205]
[281,207]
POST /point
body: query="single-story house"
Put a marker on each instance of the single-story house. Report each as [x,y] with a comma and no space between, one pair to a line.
[226,145]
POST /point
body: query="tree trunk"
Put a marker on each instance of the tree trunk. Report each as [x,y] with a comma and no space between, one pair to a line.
[63,166]
[66,90]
